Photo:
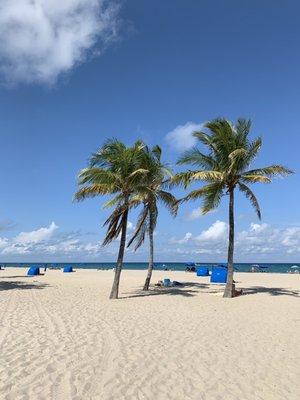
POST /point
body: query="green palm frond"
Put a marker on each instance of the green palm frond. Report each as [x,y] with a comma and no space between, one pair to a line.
[271,171]
[141,228]
[212,197]
[250,196]
[226,163]
[169,200]
[94,190]
[196,158]
[255,179]
[98,176]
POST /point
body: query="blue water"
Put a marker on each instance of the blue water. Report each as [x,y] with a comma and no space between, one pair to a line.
[279,268]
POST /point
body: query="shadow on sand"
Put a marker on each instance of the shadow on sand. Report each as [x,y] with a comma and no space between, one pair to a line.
[271,291]
[19,285]
[190,289]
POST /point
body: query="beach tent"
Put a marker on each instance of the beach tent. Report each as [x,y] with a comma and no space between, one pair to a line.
[68,268]
[202,271]
[33,270]
[218,275]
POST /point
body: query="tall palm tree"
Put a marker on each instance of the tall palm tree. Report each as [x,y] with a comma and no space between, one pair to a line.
[152,191]
[225,168]
[114,170]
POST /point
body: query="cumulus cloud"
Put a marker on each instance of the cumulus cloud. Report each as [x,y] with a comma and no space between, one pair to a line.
[41,39]
[197,213]
[217,231]
[181,137]
[187,237]
[36,236]
[259,242]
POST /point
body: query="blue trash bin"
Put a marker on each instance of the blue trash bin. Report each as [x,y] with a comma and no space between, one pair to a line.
[33,270]
[68,268]
[218,275]
[202,271]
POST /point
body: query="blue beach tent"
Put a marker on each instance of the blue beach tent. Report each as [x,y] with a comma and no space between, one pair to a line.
[68,268]
[33,270]
[202,271]
[218,275]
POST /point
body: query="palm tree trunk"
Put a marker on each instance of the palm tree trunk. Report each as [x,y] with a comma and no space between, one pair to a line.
[230,287]
[151,256]
[115,287]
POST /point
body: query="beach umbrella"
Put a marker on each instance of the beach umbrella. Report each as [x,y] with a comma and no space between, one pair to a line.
[295,266]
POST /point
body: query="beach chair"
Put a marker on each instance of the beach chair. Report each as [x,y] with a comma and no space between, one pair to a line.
[167,282]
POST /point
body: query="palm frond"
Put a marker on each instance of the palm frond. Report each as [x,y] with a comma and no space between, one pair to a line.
[169,200]
[255,179]
[212,197]
[250,195]
[196,158]
[271,171]
[93,191]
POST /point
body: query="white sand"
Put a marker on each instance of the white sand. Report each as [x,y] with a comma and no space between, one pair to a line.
[61,338]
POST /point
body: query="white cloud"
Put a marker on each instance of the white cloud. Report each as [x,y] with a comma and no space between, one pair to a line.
[197,213]
[258,227]
[41,39]
[217,231]
[37,236]
[181,137]
[187,237]
[130,226]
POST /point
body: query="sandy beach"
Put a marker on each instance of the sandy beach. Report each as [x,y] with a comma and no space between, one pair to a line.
[61,338]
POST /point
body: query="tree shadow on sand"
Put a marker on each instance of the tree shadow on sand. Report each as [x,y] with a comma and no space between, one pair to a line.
[188,289]
[271,291]
[19,285]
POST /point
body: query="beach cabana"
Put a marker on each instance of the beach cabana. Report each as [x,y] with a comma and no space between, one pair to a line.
[68,268]
[218,275]
[33,270]
[202,271]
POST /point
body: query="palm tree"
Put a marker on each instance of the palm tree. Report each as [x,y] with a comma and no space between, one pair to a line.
[225,168]
[150,194]
[114,170]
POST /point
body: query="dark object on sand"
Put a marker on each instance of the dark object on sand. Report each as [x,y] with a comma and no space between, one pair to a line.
[68,268]
[33,270]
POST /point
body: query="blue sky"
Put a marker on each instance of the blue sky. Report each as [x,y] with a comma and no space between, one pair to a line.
[76,73]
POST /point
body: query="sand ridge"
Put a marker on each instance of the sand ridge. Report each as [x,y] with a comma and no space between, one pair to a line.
[61,338]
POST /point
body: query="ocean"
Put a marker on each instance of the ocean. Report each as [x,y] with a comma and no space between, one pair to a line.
[279,268]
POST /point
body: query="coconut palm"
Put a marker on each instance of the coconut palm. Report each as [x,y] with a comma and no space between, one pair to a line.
[114,170]
[224,168]
[152,191]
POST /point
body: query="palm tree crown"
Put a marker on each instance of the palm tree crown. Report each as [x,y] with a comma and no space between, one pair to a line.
[114,170]
[150,193]
[225,167]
